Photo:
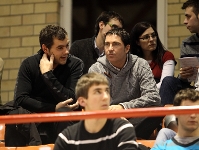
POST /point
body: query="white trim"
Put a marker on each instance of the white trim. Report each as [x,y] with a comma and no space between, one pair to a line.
[100,139]
[162,21]
[66,16]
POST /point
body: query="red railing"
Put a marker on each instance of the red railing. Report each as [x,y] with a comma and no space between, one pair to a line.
[136,112]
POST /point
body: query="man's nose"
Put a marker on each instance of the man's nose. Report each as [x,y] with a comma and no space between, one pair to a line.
[105,95]
[193,115]
[185,21]
[110,47]
[66,50]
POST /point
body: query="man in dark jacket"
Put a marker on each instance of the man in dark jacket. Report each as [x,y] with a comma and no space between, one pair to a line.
[90,49]
[46,83]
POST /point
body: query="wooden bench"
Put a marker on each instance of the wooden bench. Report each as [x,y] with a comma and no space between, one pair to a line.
[39,147]
[147,143]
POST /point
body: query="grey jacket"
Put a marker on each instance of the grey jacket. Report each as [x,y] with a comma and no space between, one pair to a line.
[190,46]
[133,86]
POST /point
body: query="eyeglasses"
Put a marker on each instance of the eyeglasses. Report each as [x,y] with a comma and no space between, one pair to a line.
[148,36]
[113,26]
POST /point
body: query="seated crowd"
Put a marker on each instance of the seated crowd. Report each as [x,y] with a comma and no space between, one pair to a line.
[118,71]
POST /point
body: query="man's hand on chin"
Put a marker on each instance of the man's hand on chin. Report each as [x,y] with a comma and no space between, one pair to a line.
[46,64]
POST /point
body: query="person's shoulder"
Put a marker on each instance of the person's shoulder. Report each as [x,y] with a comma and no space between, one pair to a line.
[192,38]
[163,145]
[138,61]
[118,123]
[74,58]
[32,59]
[73,129]
[136,58]
[168,54]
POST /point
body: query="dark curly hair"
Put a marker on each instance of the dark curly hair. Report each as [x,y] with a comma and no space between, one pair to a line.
[50,32]
[186,94]
[125,37]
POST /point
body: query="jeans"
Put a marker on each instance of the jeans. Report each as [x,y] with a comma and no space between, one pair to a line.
[169,87]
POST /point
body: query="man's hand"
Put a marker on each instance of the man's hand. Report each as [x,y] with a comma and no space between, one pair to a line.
[45,64]
[186,72]
[65,104]
[115,107]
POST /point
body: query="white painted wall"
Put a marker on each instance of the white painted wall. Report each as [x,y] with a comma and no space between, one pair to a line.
[66,16]
[162,21]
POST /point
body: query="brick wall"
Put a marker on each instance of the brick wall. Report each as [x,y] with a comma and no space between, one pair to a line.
[177,31]
[20,24]
[21,21]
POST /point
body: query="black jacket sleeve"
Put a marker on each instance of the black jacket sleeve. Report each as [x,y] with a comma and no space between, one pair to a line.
[40,93]
[65,91]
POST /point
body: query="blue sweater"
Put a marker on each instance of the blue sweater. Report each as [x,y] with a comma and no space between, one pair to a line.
[172,144]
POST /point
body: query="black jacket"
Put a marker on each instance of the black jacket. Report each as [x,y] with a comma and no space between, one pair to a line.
[85,50]
[40,93]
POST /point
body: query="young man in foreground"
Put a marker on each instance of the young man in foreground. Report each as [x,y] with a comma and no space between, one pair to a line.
[187,137]
[93,94]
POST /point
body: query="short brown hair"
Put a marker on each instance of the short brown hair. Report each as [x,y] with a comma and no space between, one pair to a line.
[186,94]
[86,81]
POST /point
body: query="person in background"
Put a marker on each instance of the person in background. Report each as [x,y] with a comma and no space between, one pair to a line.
[90,49]
[130,79]
[189,48]
[93,94]
[46,83]
[187,137]
[146,44]
[1,72]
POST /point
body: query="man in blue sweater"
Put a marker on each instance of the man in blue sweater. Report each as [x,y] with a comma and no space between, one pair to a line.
[187,137]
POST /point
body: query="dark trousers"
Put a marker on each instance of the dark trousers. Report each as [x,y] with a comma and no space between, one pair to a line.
[169,87]
[33,133]
[144,127]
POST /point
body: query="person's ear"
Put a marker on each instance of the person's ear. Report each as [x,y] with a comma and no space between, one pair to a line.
[101,25]
[127,48]
[44,48]
[81,101]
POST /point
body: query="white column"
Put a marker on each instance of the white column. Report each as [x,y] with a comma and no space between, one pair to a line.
[162,21]
[66,16]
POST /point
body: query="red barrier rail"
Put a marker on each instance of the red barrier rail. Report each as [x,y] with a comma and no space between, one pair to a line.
[136,112]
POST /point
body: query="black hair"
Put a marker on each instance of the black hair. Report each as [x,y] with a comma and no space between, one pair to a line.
[135,49]
[106,16]
[192,3]
[50,32]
